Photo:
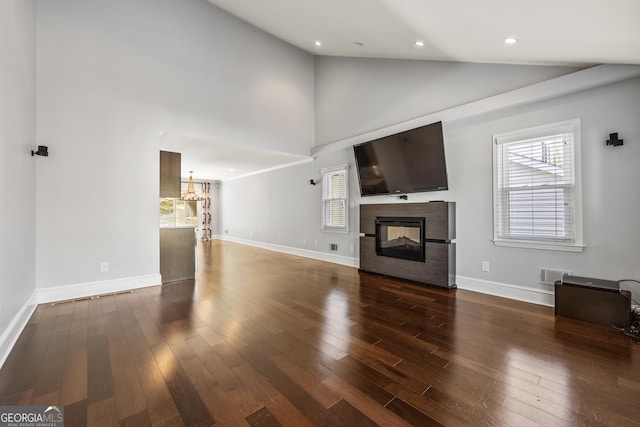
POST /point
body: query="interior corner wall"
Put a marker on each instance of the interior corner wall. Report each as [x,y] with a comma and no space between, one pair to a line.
[112,75]
[17,167]
[281,210]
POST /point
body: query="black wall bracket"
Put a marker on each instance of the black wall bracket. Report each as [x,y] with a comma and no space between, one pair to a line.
[613,140]
[42,151]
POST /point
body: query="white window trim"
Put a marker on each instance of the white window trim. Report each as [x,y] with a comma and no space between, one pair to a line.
[323,226]
[578,244]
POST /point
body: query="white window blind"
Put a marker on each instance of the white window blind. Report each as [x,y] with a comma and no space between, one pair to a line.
[334,195]
[535,192]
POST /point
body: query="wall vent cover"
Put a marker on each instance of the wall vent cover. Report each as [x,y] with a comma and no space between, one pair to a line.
[333,247]
[549,276]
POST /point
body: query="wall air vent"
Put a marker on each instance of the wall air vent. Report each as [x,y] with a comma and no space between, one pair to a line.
[548,276]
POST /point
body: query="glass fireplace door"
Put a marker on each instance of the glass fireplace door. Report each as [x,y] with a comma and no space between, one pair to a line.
[400,238]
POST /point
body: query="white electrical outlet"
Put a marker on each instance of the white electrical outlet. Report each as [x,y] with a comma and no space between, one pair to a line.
[486,266]
[351,248]
[104,266]
[304,242]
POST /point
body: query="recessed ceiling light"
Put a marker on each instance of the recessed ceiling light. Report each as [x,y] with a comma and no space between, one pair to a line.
[511,40]
[231,170]
[419,43]
[318,43]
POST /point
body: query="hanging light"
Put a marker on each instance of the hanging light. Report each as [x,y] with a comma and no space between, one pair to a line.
[191,194]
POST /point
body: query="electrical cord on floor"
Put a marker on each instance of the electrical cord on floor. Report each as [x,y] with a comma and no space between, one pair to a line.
[633,330]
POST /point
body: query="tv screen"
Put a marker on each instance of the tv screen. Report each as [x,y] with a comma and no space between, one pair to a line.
[407,162]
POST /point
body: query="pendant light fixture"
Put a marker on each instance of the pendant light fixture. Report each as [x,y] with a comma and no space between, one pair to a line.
[191,194]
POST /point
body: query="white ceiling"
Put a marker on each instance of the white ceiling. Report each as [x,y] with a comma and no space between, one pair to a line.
[216,161]
[560,32]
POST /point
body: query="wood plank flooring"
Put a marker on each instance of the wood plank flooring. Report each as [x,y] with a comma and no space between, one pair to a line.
[267,339]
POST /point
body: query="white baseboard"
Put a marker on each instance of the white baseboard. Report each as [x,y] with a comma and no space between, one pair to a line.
[82,290]
[520,293]
[10,335]
[320,256]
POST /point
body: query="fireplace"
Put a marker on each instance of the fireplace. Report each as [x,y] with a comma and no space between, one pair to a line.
[400,238]
[428,252]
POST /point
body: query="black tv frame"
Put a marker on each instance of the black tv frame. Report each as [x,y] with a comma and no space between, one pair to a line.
[368,164]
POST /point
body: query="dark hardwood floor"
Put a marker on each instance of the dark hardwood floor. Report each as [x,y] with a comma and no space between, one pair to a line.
[267,339]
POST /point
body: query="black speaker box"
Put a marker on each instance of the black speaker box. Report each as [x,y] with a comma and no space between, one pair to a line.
[593,300]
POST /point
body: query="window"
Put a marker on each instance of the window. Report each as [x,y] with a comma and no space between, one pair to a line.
[178,213]
[334,199]
[536,188]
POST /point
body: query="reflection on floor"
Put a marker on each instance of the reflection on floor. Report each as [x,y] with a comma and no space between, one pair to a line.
[262,338]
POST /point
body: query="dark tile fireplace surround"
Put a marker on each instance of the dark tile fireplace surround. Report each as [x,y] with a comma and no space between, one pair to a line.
[412,241]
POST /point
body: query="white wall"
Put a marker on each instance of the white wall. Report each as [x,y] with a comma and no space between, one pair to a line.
[110,76]
[356,95]
[282,210]
[353,96]
[610,197]
[17,167]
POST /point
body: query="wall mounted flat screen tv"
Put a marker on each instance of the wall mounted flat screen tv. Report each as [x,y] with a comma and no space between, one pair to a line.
[407,162]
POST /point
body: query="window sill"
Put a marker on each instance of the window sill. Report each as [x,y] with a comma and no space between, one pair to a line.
[335,230]
[539,245]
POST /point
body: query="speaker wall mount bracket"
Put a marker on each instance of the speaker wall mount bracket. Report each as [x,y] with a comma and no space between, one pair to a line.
[614,140]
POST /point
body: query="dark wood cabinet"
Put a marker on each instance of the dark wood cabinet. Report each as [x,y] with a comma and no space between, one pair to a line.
[593,300]
[170,164]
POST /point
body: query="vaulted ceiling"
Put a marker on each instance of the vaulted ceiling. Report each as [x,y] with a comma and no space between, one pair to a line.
[565,32]
[547,32]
